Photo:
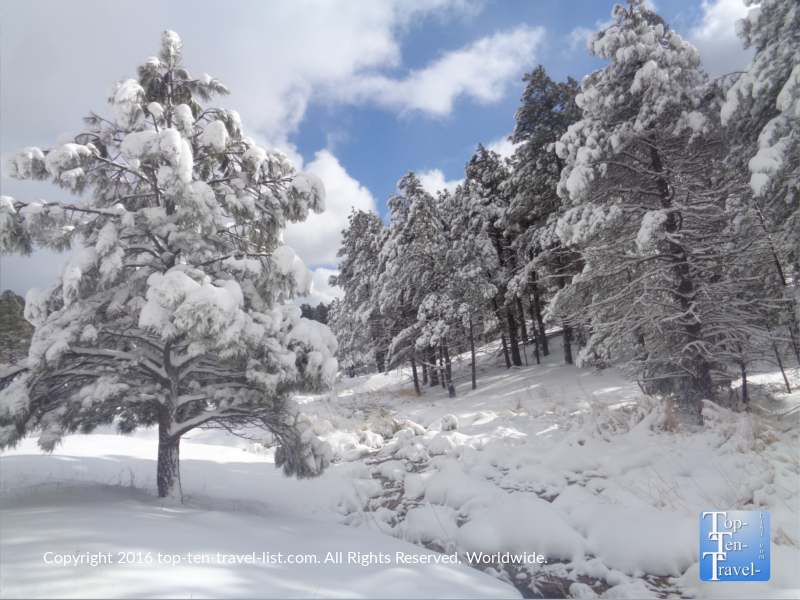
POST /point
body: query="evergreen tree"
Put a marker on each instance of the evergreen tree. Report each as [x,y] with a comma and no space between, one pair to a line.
[408,255]
[357,322]
[762,112]
[543,263]
[173,311]
[318,313]
[488,177]
[665,234]
[15,331]
[460,309]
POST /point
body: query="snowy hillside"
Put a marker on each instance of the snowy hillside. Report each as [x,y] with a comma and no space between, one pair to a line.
[594,488]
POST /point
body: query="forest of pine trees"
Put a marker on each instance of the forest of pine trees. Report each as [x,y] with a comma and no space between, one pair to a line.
[650,214]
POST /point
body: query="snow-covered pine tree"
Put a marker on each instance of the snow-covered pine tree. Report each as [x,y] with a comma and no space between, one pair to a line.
[548,109]
[663,230]
[488,177]
[762,112]
[409,251]
[172,312]
[359,327]
[459,309]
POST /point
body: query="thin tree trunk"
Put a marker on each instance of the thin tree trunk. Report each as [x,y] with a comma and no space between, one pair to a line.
[505,350]
[780,364]
[472,351]
[567,336]
[424,373]
[745,396]
[416,378]
[792,325]
[431,360]
[448,369]
[523,328]
[536,341]
[537,307]
[441,367]
[512,337]
[502,333]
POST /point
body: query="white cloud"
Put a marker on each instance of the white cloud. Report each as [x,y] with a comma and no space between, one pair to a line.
[433,181]
[275,57]
[480,71]
[577,38]
[321,291]
[715,38]
[503,146]
[317,239]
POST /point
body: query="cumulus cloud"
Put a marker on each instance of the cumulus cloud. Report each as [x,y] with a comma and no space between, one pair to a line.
[433,181]
[577,38]
[321,291]
[317,239]
[275,57]
[715,37]
[481,71]
[503,146]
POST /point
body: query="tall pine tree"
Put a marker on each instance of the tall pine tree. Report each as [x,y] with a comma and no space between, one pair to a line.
[172,313]
[663,229]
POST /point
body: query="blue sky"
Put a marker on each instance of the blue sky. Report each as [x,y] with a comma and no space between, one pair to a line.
[358,92]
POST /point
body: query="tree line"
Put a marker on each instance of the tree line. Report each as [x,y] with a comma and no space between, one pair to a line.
[649,213]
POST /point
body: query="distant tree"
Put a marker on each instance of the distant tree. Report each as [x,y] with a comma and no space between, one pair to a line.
[360,328]
[543,263]
[408,255]
[318,313]
[173,312]
[15,331]
[459,308]
[488,186]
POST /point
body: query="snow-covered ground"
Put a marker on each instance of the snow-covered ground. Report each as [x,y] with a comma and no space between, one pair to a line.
[547,461]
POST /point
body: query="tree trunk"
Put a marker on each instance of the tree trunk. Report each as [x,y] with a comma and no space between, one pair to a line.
[414,375]
[441,368]
[523,328]
[567,336]
[505,350]
[516,359]
[502,332]
[448,369]
[424,373]
[431,360]
[685,295]
[745,395]
[472,351]
[792,325]
[168,473]
[536,340]
[780,364]
[379,361]
[537,307]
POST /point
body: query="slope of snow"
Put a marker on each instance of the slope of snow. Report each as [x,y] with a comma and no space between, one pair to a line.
[547,461]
